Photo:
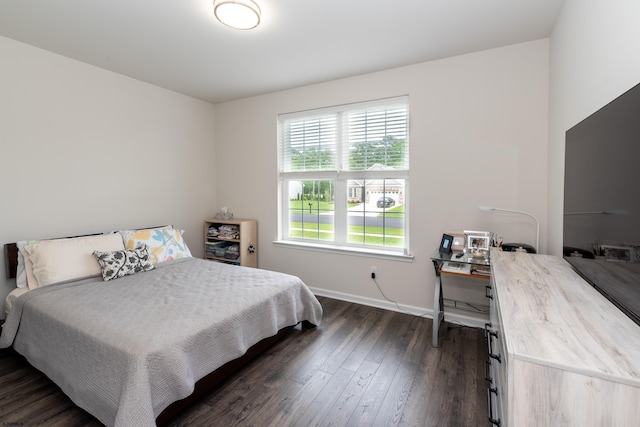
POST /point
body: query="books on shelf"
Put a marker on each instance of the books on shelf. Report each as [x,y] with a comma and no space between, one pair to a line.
[456,267]
[465,268]
[483,270]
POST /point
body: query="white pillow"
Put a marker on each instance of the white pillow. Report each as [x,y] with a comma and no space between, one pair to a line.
[58,260]
[21,270]
[24,271]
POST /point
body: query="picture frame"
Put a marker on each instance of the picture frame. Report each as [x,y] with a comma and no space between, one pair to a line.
[478,240]
[617,253]
[635,248]
[446,244]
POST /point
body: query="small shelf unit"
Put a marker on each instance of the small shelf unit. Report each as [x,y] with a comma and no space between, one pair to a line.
[223,247]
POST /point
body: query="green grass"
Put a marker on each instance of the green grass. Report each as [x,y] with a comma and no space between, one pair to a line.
[395,212]
[357,234]
[297,206]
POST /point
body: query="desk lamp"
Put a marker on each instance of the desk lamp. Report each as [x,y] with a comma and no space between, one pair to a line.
[491,209]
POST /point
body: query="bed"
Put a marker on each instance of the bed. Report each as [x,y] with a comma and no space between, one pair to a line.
[135,349]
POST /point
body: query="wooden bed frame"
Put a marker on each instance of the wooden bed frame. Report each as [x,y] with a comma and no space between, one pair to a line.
[204,385]
[11,259]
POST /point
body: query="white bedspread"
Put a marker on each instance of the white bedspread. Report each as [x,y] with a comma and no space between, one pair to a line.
[13,295]
[125,349]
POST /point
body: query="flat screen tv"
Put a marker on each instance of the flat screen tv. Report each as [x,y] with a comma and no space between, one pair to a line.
[601,229]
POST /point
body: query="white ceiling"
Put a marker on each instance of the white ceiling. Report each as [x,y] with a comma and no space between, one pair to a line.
[179,45]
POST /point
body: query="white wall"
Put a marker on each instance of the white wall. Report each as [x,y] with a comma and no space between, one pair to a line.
[593,59]
[478,137]
[84,150]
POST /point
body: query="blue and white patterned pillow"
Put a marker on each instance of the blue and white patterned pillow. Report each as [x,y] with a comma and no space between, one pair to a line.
[122,263]
[165,244]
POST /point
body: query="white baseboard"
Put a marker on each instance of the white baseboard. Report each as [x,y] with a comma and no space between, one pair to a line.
[456,318]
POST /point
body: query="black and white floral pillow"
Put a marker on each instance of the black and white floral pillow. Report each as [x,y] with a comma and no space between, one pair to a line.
[122,263]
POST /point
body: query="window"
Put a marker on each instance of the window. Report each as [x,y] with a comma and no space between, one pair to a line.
[343,176]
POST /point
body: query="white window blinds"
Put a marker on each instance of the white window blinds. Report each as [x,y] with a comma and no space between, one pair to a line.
[373,134]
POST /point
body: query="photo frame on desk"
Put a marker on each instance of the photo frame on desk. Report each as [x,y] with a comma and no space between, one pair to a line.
[446,243]
[478,240]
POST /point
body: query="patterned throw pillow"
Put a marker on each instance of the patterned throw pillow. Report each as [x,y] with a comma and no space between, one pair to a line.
[165,244]
[122,263]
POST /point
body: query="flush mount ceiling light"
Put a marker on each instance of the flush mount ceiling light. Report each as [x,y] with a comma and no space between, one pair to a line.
[239,14]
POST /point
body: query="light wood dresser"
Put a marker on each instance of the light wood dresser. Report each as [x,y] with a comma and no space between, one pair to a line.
[560,354]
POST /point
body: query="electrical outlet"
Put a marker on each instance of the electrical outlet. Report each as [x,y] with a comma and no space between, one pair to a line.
[374,270]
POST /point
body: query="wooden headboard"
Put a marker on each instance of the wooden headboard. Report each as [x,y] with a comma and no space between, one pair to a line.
[11,259]
[11,252]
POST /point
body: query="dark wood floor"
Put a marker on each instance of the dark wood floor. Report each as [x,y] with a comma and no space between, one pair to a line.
[362,367]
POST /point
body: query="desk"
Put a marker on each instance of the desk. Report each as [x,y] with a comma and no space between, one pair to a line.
[438,260]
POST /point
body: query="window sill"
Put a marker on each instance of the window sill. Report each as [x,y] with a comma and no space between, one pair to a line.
[346,250]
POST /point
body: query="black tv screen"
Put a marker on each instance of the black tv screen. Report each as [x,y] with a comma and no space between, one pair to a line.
[601,227]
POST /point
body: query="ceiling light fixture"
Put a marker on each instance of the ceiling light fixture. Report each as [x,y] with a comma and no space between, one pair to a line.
[239,14]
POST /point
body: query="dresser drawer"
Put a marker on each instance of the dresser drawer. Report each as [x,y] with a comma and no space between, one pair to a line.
[496,363]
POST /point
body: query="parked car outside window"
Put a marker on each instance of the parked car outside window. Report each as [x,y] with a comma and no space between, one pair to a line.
[385,202]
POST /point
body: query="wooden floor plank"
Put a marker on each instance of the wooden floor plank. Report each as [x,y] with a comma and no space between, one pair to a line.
[369,323]
[362,366]
[392,406]
[416,407]
[301,402]
[373,327]
[325,401]
[389,351]
[349,398]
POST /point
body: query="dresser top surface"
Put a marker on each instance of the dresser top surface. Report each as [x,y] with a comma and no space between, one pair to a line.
[551,316]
